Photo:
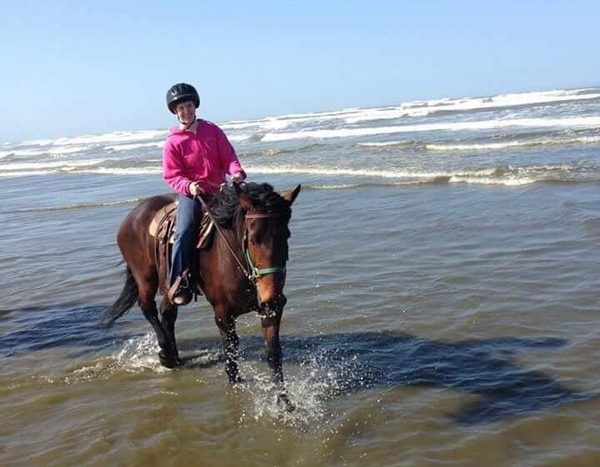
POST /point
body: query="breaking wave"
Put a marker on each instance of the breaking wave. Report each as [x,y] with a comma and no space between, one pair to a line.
[570,122]
[470,104]
[511,144]
[508,176]
[77,206]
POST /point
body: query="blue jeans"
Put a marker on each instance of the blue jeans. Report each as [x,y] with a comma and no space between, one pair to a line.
[189,214]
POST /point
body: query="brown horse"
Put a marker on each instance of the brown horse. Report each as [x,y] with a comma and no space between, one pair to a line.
[242,270]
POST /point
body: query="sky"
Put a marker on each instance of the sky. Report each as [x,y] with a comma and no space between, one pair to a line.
[85,67]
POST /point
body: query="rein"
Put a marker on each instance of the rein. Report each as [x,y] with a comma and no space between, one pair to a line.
[254,273]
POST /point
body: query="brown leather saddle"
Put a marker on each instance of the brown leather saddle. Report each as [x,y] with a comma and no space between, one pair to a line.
[163,229]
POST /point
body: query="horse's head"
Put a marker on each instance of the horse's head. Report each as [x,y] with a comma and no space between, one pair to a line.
[266,235]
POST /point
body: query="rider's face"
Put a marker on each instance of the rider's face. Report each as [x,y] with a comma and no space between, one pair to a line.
[186,111]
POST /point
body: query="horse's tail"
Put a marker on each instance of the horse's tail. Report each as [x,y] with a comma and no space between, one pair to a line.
[126,300]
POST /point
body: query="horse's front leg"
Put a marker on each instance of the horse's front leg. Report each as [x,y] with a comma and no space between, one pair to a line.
[231,344]
[270,330]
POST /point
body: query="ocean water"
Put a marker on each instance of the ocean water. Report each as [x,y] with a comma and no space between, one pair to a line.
[443,296]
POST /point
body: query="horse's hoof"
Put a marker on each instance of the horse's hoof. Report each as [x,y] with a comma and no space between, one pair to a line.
[169,361]
[237,381]
[285,400]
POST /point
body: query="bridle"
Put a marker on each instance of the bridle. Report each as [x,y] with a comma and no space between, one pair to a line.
[252,273]
[256,273]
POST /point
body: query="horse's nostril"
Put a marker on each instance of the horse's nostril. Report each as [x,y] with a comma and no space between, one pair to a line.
[267,310]
[275,304]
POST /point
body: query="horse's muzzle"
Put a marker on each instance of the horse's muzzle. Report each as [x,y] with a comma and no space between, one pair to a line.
[272,309]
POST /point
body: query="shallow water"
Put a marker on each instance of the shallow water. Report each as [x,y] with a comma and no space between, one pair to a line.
[444,323]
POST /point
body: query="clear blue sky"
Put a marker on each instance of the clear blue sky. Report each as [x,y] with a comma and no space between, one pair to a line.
[75,67]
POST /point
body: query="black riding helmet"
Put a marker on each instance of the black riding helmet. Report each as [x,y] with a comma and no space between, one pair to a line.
[182,92]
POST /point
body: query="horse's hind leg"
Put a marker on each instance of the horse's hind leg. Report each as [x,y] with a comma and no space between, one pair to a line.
[167,354]
[168,316]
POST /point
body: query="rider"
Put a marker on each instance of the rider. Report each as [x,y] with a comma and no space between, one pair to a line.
[196,157]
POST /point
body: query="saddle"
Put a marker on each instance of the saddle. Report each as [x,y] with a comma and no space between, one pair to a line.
[163,229]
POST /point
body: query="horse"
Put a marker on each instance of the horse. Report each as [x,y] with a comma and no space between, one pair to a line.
[242,270]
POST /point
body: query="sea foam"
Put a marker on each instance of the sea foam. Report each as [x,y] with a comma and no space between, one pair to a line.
[467,104]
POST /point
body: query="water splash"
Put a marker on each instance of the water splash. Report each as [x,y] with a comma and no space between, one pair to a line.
[310,387]
[139,353]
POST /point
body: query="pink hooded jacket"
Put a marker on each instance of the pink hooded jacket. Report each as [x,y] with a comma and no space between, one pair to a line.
[203,157]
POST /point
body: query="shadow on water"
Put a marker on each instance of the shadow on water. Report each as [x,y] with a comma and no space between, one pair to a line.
[45,327]
[359,360]
[367,360]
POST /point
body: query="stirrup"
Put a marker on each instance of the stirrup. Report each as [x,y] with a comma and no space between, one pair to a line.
[178,294]
[182,297]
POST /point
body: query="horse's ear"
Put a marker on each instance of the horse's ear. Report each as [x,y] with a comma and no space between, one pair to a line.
[245,201]
[290,196]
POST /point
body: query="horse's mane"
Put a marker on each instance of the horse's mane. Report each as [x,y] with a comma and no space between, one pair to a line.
[225,206]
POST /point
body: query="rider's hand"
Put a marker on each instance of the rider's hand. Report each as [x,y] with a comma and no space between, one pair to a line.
[195,189]
[237,177]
